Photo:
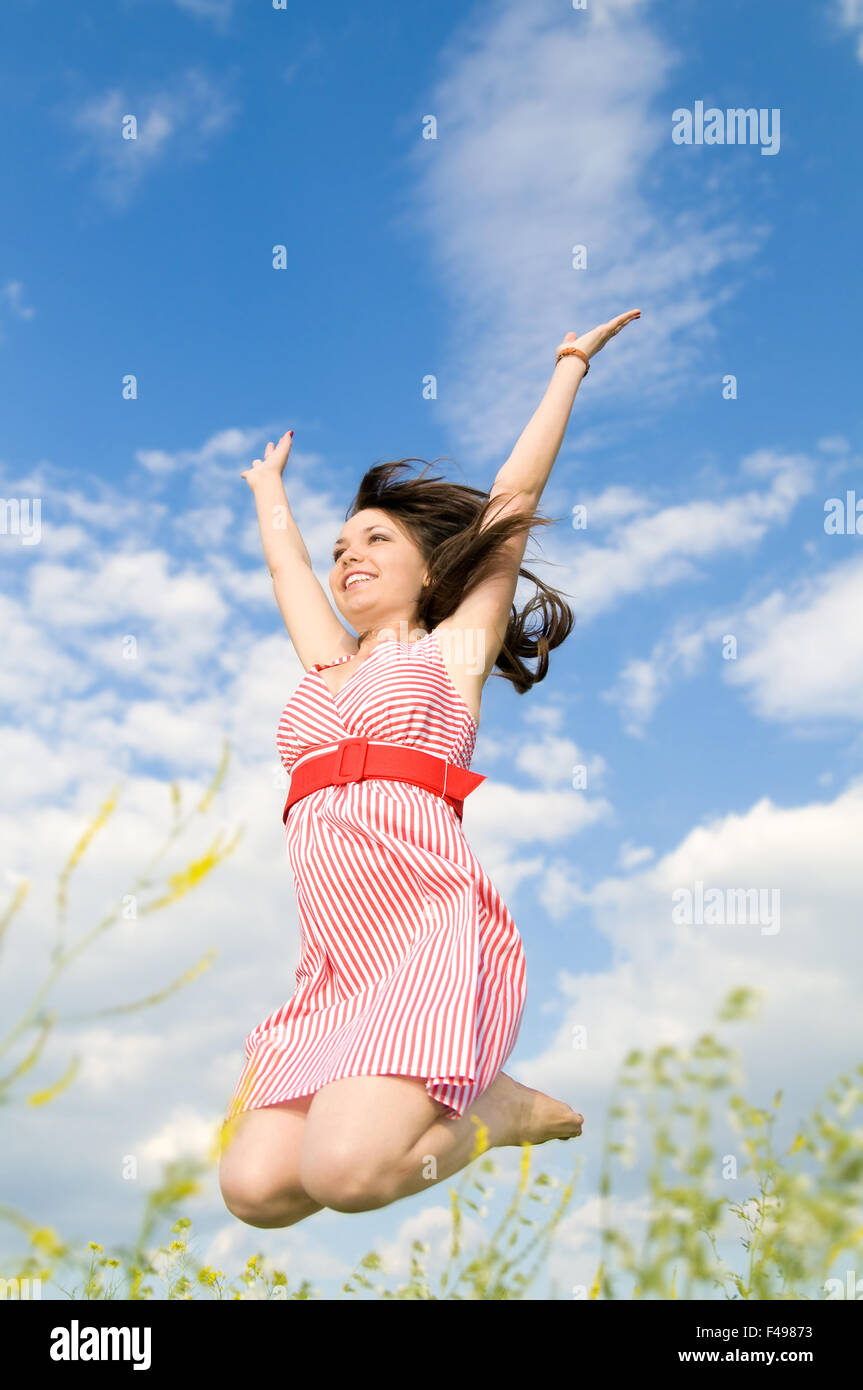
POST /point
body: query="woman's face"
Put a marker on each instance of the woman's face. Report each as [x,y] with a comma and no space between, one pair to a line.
[372,543]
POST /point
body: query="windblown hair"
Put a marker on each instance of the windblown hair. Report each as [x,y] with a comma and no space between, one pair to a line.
[445,521]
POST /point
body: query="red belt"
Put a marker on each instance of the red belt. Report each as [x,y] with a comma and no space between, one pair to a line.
[355,759]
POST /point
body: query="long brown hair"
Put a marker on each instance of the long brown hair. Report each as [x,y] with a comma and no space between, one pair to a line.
[444,520]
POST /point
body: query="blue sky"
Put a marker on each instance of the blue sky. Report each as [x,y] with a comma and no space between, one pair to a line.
[453,257]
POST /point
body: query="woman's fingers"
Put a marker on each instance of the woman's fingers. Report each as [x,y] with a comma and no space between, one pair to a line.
[597,338]
[284,446]
[274,455]
[613,327]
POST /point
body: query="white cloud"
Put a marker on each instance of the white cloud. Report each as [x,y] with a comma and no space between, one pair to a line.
[516,816]
[239,446]
[30,654]
[799,653]
[654,551]
[304,1251]
[129,585]
[554,762]
[112,1060]
[834,444]
[185,1133]
[560,888]
[614,504]
[549,123]
[801,656]
[631,856]
[177,121]
[213,472]
[204,527]
[642,682]
[668,980]
[103,507]
[637,692]
[432,1225]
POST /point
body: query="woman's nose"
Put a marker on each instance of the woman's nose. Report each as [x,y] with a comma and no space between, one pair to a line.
[352,563]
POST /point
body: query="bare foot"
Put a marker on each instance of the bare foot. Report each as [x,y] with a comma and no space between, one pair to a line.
[531,1117]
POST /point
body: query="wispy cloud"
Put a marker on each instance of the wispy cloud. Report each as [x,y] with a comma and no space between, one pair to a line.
[551,124]
[226,447]
[13,295]
[661,546]
[848,15]
[12,299]
[798,654]
[212,471]
[174,123]
[667,979]
[802,657]
[216,11]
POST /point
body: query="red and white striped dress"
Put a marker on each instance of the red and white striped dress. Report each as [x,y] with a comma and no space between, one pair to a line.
[411,963]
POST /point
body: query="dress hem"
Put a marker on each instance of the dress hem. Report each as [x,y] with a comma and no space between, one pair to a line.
[435,1079]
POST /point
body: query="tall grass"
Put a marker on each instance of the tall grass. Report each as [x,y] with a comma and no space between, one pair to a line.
[802,1214]
[800,1223]
[150,892]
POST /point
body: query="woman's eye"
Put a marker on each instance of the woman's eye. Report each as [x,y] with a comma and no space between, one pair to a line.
[338,554]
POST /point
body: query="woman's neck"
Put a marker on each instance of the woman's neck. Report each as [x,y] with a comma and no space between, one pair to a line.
[368,640]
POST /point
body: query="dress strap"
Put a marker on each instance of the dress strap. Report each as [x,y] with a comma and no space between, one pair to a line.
[322,665]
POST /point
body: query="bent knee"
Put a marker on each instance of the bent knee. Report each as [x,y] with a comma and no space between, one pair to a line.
[346,1182]
[256,1200]
[246,1200]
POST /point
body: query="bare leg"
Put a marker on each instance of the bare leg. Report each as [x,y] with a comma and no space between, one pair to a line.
[259,1165]
[506,1114]
[370,1140]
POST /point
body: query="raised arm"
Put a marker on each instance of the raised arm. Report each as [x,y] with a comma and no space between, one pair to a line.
[527,469]
[519,485]
[312,624]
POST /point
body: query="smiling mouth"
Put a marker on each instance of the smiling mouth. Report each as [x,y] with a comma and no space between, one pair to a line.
[355,583]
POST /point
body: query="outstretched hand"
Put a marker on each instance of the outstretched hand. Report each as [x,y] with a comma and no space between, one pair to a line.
[591,343]
[274,460]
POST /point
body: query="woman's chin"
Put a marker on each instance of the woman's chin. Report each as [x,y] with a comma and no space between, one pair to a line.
[350,609]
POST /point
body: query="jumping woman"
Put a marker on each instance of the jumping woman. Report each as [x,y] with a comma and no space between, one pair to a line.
[375,1078]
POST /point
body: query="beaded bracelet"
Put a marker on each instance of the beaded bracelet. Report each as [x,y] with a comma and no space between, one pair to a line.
[572,351]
